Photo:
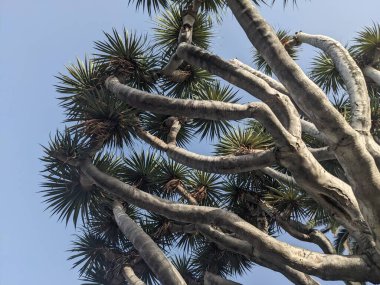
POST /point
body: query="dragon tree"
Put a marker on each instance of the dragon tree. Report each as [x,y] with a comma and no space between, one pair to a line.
[301,158]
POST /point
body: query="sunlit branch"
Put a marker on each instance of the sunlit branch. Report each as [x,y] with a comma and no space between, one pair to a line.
[280,104]
[347,144]
[332,267]
[351,74]
[147,248]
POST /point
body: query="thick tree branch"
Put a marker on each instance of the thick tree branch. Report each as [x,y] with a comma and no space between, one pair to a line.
[347,144]
[295,228]
[322,153]
[352,77]
[323,187]
[372,73]
[131,277]
[309,97]
[185,36]
[271,81]
[175,127]
[212,279]
[202,109]
[310,129]
[239,246]
[215,164]
[284,178]
[332,267]
[147,248]
[245,248]
[256,86]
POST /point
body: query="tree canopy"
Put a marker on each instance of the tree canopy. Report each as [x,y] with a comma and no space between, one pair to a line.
[300,158]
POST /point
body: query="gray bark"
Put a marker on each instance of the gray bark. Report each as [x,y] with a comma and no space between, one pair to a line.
[215,164]
[333,194]
[185,36]
[240,247]
[148,249]
[212,279]
[352,77]
[131,277]
[372,73]
[280,104]
[347,144]
[330,267]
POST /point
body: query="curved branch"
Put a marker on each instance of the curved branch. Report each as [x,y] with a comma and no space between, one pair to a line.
[271,81]
[351,74]
[325,266]
[175,127]
[281,104]
[308,96]
[278,175]
[347,144]
[322,153]
[310,129]
[372,73]
[130,276]
[215,164]
[147,248]
[202,109]
[295,228]
[212,279]
[158,104]
[185,36]
[239,246]
[245,248]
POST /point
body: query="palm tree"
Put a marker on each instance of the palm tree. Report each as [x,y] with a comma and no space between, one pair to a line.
[189,218]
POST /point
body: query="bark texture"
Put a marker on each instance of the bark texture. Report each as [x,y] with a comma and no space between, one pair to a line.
[148,249]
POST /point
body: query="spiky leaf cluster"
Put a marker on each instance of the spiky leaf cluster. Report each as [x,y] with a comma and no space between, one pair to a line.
[242,141]
[214,92]
[159,126]
[367,45]
[169,24]
[103,118]
[128,57]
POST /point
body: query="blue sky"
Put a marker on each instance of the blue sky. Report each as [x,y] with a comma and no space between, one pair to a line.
[37,39]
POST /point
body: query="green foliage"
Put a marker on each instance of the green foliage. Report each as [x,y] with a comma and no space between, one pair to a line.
[215,92]
[239,141]
[158,229]
[158,125]
[150,5]
[86,76]
[214,6]
[68,192]
[128,57]
[325,74]
[186,82]
[367,44]
[289,200]
[208,257]
[140,170]
[89,250]
[97,121]
[185,267]
[103,118]
[205,187]
[169,24]
[103,224]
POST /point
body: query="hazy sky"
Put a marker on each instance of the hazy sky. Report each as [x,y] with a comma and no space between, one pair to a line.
[37,39]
